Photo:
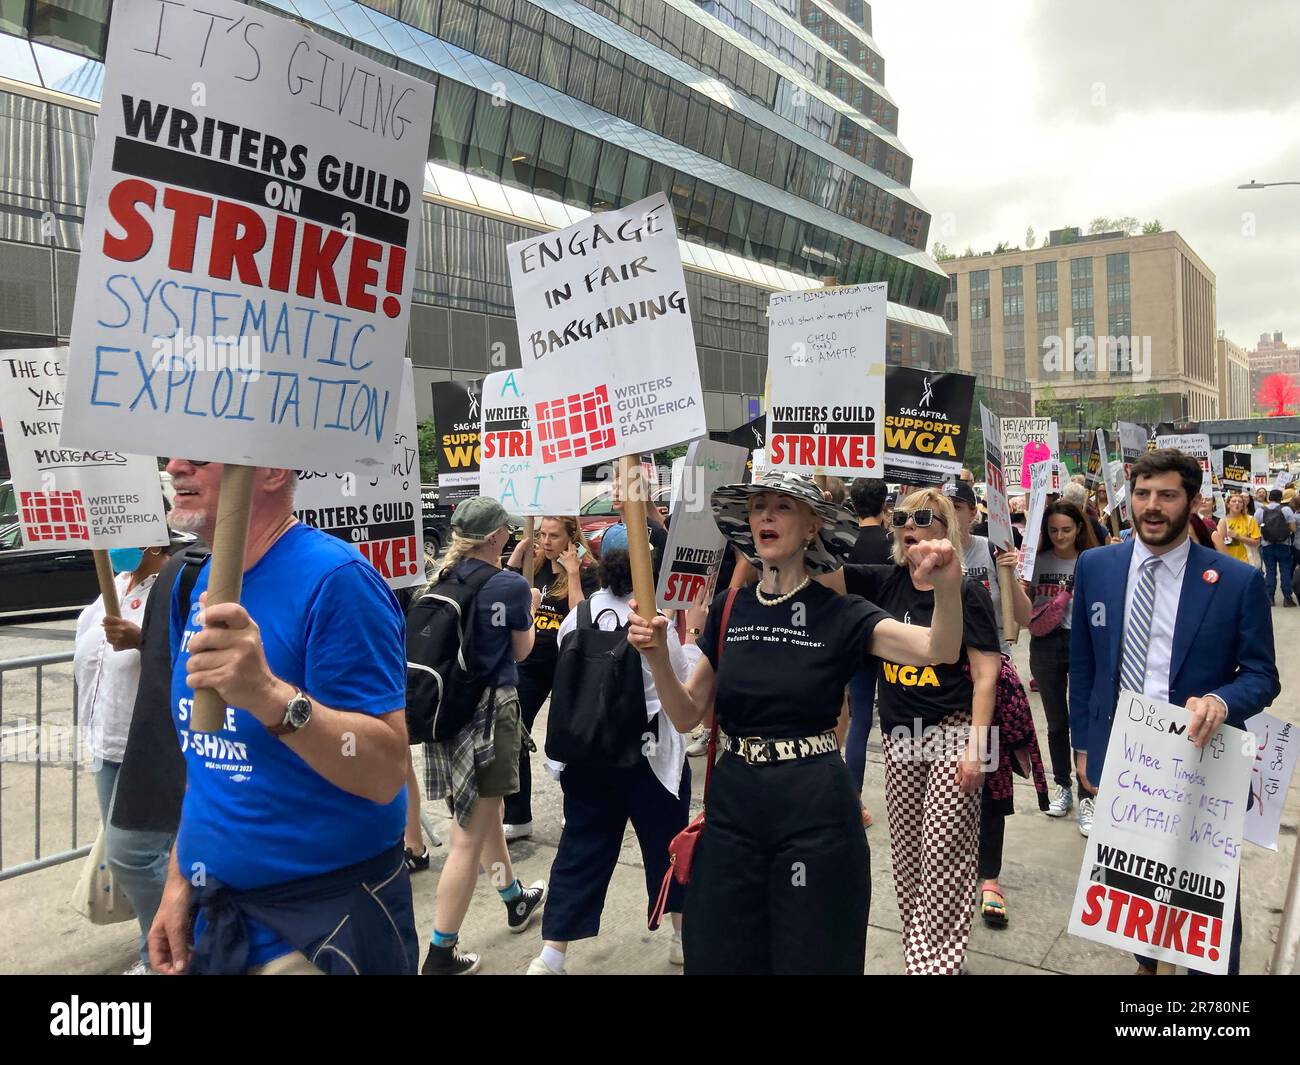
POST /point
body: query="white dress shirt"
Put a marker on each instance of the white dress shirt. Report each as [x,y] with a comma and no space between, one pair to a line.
[106,679]
[669,754]
[1164,614]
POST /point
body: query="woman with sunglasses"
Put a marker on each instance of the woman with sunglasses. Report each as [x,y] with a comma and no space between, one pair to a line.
[935,722]
[781,876]
[1066,535]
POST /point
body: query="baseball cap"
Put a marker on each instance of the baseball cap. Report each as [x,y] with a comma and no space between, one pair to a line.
[614,538]
[961,492]
[478,518]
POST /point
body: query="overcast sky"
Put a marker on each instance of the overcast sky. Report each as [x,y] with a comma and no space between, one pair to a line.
[1048,113]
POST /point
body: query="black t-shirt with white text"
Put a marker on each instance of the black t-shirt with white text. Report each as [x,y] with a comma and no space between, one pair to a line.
[930,693]
[555,608]
[784,668]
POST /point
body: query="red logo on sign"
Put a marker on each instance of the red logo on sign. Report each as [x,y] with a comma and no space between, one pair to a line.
[575,425]
[53,516]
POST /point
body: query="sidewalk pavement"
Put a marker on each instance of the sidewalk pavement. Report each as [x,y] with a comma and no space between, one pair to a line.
[1041,866]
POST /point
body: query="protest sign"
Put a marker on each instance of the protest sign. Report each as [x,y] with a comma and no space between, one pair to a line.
[1000,535]
[1195,444]
[593,302]
[826,354]
[458,422]
[67,497]
[1132,443]
[1019,435]
[751,435]
[1096,456]
[510,471]
[380,513]
[1284,478]
[927,416]
[1117,491]
[1216,469]
[247,256]
[695,547]
[1041,477]
[1159,873]
[1277,746]
[1259,466]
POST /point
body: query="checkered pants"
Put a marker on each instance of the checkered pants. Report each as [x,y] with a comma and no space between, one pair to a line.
[934,841]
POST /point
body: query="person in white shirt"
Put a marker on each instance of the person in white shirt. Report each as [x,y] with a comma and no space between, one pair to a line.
[106,668]
[599,801]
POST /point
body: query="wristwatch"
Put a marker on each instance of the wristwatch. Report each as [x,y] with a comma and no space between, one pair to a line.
[694,632]
[297,712]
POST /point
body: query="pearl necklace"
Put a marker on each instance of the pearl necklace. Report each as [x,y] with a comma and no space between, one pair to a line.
[758,593]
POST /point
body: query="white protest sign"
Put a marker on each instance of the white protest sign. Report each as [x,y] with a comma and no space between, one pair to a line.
[1054,443]
[605,333]
[826,355]
[1284,478]
[1117,488]
[1000,534]
[695,547]
[1195,444]
[248,255]
[675,482]
[1132,444]
[1159,873]
[70,497]
[1040,474]
[1019,434]
[510,471]
[378,513]
[1259,466]
[758,462]
[1277,747]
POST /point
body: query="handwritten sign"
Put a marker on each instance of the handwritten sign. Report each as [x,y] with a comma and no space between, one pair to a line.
[510,471]
[926,420]
[1277,747]
[1159,874]
[1132,444]
[457,418]
[606,336]
[1017,435]
[1041,477]
[695,548]
[248,253]
[826,355]
[1000,534]
[1195,444]
[378,513]
[67,497]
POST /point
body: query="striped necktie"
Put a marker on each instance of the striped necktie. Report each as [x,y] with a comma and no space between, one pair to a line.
[1137,632]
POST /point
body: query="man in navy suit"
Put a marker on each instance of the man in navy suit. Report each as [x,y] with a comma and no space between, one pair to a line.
[1210,642]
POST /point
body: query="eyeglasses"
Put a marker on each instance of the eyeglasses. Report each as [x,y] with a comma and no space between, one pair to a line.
[191,462]
[921,518]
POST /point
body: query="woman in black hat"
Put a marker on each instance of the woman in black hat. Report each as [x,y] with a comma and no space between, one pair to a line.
[781,876]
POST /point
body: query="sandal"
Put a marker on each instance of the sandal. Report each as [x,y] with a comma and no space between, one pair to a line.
[417,863]
[993,908]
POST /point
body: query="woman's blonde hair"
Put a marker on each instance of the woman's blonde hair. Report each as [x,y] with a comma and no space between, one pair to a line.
[573,529]
[460,548]
[935,500]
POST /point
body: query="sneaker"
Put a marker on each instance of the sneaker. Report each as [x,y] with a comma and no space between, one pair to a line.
[417,863]
[1061,803]
[449,961]
[521,910]
[699,745]
[537,967]
[521,831]
[675,954]
[140,968]
[1085,814]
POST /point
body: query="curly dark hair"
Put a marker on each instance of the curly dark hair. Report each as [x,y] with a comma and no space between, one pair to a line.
[616,572]
[1168,460]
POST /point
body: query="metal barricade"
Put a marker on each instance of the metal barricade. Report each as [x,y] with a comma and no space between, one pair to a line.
[43,740]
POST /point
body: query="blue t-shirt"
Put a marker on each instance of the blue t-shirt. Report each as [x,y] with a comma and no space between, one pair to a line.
[255,813]
[504,605]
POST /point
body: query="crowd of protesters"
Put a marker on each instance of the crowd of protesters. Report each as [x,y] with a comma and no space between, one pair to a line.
[846,604]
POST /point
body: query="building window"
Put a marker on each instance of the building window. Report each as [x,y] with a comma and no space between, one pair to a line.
[1012,277]
[1081,298]
[1045,273]
[1013,305]
[1046,301]
[979,308]
[1117,265]
[979,280]
[1081,269]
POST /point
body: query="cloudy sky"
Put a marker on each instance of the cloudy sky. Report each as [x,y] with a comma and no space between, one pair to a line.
[1047,113]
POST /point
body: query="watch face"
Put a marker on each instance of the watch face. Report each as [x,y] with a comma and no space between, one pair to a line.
[298,711]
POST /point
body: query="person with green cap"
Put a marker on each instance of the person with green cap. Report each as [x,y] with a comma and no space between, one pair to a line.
[479,767]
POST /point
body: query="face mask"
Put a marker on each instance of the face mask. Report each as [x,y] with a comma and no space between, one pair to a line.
[125,559]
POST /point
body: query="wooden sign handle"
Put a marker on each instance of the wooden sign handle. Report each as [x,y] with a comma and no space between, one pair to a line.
[1009,627]
[530,556]
[107,586]
[226,575]
[1166,968]
[638,536]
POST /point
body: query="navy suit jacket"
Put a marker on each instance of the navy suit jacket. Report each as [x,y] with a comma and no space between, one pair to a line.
[1223,642]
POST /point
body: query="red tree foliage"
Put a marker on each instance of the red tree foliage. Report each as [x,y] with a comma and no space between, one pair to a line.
[1277,393]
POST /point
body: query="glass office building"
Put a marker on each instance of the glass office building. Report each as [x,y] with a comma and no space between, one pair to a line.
[778,150]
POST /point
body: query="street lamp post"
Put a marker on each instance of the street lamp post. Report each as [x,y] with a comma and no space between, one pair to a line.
[1266,184]
[1078,410]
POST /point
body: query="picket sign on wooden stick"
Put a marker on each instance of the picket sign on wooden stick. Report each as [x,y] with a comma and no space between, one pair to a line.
[107,588]
[226,575]
[530,556]
[1288,929]
[638,536]
[1010,629]
[830,281]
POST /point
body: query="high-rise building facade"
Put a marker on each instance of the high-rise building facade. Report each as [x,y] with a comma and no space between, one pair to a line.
[1273,355]
[1092,317]
[1236,397]
[546,111]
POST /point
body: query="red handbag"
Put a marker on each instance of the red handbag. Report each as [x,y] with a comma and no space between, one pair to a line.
[681,851]
[1050,616]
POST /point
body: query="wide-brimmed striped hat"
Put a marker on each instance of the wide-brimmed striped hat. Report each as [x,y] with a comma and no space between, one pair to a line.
[838,534]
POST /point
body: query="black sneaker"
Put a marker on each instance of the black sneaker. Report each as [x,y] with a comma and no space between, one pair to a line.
[521,909]
[449,961]
[417,863]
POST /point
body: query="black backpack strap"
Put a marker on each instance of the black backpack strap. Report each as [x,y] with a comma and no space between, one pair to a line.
[475,583]
[585,620]
[192,560]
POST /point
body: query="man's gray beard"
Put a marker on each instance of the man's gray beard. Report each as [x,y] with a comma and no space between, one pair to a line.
[189,521]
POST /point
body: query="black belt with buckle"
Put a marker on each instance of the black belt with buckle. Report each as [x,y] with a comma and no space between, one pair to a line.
[759,751]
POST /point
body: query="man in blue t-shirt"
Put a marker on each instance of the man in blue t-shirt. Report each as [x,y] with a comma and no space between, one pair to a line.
[289,847]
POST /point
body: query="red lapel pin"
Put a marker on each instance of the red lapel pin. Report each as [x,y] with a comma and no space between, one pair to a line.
[1210,576]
